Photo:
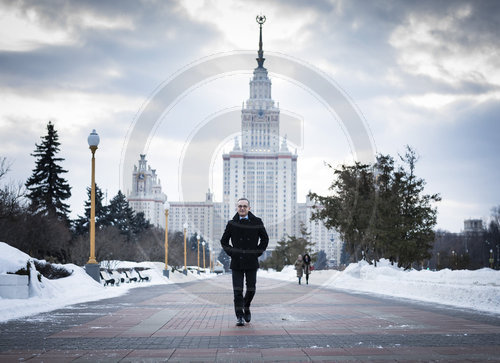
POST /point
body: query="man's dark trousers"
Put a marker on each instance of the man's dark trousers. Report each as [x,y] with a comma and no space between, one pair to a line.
[241,302]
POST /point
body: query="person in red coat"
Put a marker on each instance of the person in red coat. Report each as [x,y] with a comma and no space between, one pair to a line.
[244,240]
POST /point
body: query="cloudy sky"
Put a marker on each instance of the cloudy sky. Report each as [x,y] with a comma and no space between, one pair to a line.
[424,73]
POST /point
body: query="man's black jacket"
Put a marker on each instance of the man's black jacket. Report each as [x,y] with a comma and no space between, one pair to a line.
[245,235]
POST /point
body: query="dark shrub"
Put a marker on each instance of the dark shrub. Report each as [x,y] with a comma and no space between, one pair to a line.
[51,271]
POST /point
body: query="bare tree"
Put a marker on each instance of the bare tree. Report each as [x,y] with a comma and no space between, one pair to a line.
[11,194]
[4,167]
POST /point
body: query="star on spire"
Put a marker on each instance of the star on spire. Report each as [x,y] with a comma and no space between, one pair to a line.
[261,19]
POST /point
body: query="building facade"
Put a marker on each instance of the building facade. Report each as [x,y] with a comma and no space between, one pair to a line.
[198,215]
[261,168]
[473,226]
[146,195]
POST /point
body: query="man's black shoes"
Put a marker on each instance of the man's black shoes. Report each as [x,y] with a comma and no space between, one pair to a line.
[240,321]
[247,315]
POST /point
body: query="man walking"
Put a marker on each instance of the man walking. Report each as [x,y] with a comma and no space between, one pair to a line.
[244,230]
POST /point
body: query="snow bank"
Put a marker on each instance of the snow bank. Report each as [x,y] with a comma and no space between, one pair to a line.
[478,290]
[49,295]
[11,259]
[287,274]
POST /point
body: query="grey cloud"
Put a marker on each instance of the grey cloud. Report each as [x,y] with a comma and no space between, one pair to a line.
[139,55]
[362,53]
[146,52]
[467,150]
[469,34]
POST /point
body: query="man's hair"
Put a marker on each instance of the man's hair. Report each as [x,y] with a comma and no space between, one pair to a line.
[244,199]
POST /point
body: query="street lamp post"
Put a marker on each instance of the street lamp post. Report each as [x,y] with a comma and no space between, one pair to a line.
[166,272]
[198,254]
[185,271]
[484,245]
[203,243]
[492,259]
[92,267]
[498,254]
[210,252]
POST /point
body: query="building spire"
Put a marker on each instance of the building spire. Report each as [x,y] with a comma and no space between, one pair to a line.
[261,19]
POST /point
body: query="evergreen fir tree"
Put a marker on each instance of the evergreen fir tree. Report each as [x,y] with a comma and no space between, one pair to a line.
[82,223]
[121,215]
[418,216]
[321,261]
[140,223]
[344,255]
[287,250]
[47,190]
[350,209]
[387,211]
[380,210]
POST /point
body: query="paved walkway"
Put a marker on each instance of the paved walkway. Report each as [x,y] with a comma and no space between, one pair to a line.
[195,322]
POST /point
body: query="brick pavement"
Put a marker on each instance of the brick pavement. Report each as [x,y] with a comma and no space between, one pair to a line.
[195,322]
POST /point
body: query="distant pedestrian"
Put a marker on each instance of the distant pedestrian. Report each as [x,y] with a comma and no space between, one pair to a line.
[299,267]
[307,266]
[244,240]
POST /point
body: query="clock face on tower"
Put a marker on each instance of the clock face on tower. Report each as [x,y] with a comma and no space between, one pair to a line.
[141,176]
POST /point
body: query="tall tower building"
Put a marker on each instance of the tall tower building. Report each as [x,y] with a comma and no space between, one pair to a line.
[146,195]
[262,169]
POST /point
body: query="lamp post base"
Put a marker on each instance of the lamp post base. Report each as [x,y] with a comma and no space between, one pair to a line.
[166,273]
[93,271]
[185,272]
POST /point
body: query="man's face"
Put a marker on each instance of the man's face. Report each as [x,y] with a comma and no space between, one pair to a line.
[243,208]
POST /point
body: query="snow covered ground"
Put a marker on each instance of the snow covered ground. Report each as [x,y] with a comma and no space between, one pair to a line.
[49,295]
[477,290]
